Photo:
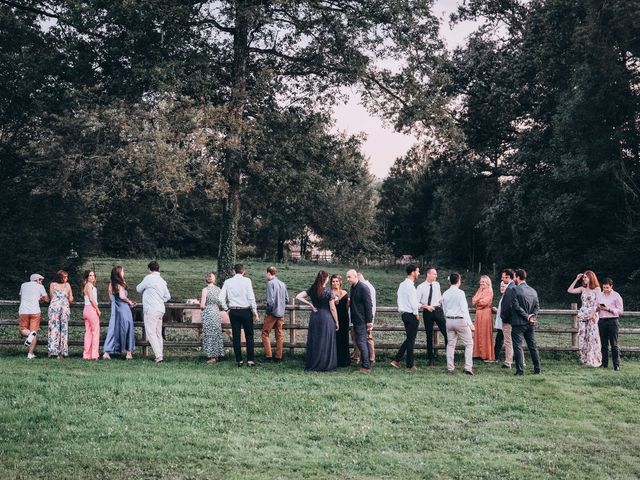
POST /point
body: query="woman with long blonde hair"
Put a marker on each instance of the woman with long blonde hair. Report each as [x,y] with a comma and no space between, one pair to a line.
[483,334]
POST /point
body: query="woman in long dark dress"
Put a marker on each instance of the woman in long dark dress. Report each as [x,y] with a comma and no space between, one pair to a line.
[341,300]
[323,323]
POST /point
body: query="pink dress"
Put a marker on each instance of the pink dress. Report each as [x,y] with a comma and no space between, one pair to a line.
[588,335]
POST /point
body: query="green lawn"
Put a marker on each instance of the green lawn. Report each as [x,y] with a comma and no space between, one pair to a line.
[185,419]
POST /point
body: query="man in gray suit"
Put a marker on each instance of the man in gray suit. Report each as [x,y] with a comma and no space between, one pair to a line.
[522,315]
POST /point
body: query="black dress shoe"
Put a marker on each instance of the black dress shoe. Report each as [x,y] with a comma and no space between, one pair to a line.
[616,369]
[268,360]
[469,372]
[253,364]
[240,364]
[537,373]
[277,360]
[519,374]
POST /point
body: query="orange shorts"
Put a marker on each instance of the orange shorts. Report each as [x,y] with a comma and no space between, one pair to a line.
[32,322]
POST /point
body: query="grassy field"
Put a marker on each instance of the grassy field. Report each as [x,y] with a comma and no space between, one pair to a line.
[188,420]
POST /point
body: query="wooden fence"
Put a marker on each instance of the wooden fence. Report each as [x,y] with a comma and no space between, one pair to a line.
[293,326]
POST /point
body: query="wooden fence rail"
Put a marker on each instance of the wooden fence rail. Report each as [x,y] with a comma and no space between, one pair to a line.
[176,311]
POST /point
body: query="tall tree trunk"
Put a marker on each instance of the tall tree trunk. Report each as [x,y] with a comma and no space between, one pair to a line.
[280,252]
[234,158]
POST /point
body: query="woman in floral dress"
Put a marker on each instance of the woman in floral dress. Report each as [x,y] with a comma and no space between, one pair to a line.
[59,312]
[588,335]
[212,343]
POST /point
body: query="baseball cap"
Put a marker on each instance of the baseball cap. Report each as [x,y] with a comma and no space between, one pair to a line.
[35,277]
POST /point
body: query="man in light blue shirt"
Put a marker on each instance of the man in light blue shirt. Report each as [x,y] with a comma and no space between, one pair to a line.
[154,295]
[459,324]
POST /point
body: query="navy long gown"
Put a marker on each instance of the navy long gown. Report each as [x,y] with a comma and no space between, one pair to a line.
[120,334]
[321,337]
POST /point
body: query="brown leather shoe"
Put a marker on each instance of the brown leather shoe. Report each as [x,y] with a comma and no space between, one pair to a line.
[364,370]
[395,364]
[412,369]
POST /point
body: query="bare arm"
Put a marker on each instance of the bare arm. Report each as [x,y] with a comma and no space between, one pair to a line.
[334,313]
[69,293]
[302,297]
[572,288]
[203,298]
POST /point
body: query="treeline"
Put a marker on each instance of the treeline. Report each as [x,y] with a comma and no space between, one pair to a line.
[189,128]
[538,161]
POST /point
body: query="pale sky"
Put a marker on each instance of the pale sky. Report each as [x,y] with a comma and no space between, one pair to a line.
[383,144]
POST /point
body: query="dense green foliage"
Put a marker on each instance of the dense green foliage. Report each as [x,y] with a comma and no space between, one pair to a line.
[539,163]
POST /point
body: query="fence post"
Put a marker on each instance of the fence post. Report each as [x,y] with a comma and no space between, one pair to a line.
[574,335]
[292,322]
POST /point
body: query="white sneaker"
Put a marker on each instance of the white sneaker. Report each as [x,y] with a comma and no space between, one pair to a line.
[30,356]
[30,338]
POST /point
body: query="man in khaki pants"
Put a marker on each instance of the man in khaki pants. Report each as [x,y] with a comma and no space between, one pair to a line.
[459,324]
[504,328]
[154,295]
[277,298]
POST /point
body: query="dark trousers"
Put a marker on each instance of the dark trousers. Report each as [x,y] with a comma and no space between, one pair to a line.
[242,319]
[411,324]
[528,331]
[429,318]
[363,345]
[609,329]
[497,346]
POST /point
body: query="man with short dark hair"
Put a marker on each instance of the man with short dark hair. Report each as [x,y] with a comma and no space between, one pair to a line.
[459,324]
[430,298]
[503,326]
[408,307]
[523,319]
[277,299]
[237,296]
[610,308]
[154,295]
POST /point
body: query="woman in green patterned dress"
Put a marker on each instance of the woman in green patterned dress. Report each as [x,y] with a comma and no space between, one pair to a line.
[212,344]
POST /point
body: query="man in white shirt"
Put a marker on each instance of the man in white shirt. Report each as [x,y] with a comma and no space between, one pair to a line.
[408,307]
[459,324]
[154,295]
[237,296]
[430,298]
[31,294]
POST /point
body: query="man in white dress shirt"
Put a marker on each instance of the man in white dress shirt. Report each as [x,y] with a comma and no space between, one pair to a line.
[430,298]
[154,295]
[237,296]
[408,307]
[459,324]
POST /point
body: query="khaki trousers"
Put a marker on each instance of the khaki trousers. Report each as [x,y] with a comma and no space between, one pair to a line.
[508,344]
[269,323]
[458,327]
[153,330]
